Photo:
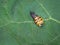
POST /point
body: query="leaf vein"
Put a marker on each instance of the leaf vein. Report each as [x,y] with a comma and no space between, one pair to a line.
[55,20]
[55,38]
[43,8]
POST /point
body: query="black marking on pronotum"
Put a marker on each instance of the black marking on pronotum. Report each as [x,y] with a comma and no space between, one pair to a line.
[33,15]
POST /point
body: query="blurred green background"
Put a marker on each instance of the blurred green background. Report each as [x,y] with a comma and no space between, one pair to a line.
[18,28]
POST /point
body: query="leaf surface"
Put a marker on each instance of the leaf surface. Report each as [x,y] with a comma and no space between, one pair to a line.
[18,28]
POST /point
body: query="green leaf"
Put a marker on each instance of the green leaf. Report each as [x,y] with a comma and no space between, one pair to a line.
[18,28]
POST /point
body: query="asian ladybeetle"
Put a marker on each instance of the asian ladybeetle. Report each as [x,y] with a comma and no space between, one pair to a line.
[37,19]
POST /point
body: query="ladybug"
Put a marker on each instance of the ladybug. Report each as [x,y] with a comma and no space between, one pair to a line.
[38,20]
